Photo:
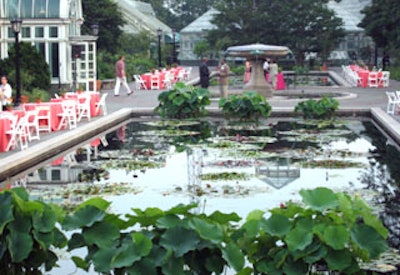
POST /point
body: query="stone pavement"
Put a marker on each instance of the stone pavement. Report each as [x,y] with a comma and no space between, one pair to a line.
[146,100]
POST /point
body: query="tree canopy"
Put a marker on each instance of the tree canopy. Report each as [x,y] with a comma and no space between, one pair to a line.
[107,15]
[381,21]
[302,25]
[180,13]
[35,72]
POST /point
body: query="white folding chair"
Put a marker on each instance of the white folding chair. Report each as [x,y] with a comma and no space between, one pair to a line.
[384,79]
[83,106]
[139,82]
[32,124]
[101,105]
[168,80]
[18,133]
[155,82]
[68,115]
[187,73]
[180,76]
[393,102]
[373,80]
[44,114]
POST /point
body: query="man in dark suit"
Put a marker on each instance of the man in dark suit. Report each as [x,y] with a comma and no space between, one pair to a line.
[204,73]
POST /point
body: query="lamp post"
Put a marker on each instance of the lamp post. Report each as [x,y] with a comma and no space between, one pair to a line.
[159,33]
[95,29]
[16,26]
[174,46]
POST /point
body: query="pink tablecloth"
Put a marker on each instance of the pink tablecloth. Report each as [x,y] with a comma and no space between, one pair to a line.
[55,109]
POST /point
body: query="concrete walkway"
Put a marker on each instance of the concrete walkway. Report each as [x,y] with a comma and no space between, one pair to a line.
[146,101]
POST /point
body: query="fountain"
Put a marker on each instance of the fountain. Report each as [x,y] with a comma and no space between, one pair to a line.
[257,54]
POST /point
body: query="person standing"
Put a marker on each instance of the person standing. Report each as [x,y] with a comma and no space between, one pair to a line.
[120,75]
[273,72]
[223,78]
[204,74]
[5,93]
[266,68]
[247,72]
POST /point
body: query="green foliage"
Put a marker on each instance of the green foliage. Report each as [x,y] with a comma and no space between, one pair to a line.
[201,48]
[108,16]
[317,109]
[328,228]
[250,106]
[166,242]
[35,72]
[39,94]
[28,234]
[318,26]
[183,101]
[134,64]
[238,70]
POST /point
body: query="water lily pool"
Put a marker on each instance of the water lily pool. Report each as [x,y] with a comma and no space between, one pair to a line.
[225,166]
[231,167]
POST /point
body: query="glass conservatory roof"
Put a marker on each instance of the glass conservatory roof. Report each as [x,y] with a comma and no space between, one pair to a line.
[349,11]
[202,23]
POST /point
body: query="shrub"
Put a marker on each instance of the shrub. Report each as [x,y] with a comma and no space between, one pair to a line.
[28,233]
[317,109]
[249,106]
[183,101]
[328,228]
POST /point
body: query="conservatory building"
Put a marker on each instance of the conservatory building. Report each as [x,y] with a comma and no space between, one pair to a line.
[54,28]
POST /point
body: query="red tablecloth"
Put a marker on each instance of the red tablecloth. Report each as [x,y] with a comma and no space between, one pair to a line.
[94,99]
[5,125]
[364,74]
[147,80]
[55,109]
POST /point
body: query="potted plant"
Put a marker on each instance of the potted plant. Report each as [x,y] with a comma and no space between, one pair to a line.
[9,106]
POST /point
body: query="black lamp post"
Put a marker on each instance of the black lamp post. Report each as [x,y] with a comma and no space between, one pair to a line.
[95,29]
[174,46]
[16,26]
[159,33]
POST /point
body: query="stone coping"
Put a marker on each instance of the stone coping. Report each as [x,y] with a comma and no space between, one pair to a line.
[35,156]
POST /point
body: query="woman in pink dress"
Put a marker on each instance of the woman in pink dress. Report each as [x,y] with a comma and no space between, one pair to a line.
[247,71]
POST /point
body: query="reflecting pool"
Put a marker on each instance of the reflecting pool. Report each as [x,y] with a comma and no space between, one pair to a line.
[231,167]
[225,166]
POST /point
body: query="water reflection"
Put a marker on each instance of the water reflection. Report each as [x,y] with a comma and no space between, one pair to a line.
[220,165]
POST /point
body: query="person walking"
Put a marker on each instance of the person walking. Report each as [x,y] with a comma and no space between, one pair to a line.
[273,72]
[223,78]
[204,74]
[5,93]
[120,75]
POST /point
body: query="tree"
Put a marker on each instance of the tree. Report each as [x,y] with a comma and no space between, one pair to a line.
[180,13]
[302,25]
[35,72]
[201,48]
[381,22]
[107,15]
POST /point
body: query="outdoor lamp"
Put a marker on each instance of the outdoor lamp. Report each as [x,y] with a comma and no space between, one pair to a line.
[174,46]
[95,29]
[16,27]
[159,33]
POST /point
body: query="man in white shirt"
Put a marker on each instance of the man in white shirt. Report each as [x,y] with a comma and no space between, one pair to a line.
[5,92]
